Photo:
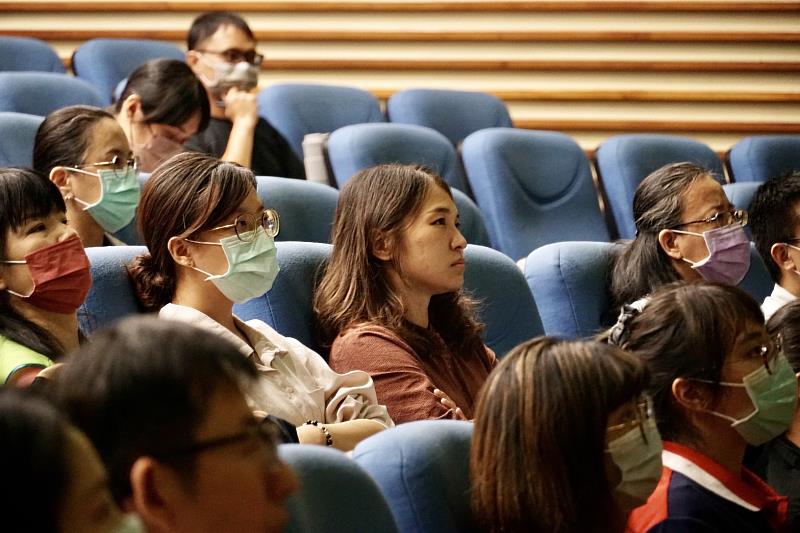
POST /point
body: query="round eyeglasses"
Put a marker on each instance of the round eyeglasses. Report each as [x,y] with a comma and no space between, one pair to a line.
[246,225]
[119,165]
[721,219]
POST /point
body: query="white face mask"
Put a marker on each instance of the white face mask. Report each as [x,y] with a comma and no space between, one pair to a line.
[637,454]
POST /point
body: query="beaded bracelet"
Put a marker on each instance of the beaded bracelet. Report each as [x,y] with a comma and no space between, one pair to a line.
[328,438]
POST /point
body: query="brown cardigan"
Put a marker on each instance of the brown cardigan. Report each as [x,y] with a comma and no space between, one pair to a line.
[403,382]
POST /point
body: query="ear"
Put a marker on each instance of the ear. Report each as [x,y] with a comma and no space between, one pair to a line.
[690,395]
[192,58]
[153,493]
[131,106]
[780,256]
[381,246]
[61,177]
[179,250]
[666,239]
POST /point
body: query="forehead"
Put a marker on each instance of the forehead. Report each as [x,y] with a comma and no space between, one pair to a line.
[435,198]
[107,136]
[225,413]
[227,37]
[703,197]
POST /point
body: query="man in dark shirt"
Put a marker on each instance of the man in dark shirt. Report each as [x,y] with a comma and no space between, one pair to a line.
[222,52]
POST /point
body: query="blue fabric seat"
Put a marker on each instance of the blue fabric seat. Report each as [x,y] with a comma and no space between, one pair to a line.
[112,296]
[454,114]
[623,161]
[534,188]
[297,109]
[17,137]
[25,53]
[423,470]
[105,62]
[41,93]
[761,157]
[335,494]
[306,208]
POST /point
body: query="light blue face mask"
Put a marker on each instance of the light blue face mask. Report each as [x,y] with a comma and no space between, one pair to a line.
[252,265]
[119,196]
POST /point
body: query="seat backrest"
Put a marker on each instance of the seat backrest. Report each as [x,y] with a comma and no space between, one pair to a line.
[454,114]
[335,493]
[288,306]
[41,93]
[17,137]
[623,161]
[297,109]
[105,62]
[423,470]
[111,296]
[25,53]
[534,188]
[741,194]
[360,146]
[570,282]
[306,208]
[506,305]
[761,157]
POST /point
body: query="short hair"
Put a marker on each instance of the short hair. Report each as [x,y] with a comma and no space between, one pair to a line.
[170,93]
[773,217]
[207,24]
[63,137]
[786,323]
[142,387]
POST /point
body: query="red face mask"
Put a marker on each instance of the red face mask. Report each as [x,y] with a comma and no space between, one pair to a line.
[60,275]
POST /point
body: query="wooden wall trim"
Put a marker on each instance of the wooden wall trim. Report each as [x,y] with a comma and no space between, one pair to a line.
[736,37]
[349,6]
[644,126]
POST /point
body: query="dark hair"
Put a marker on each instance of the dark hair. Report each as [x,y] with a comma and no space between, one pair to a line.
[356,287]
[142,388]
[207,24]
[642,265]
[786,323]
[186,194]
[537,461]
[773,217]
[33,459]
[63,138]
[170,93]
[687,330]
[25,194]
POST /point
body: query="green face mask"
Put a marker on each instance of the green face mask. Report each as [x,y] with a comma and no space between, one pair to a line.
[773,392]
[119,196]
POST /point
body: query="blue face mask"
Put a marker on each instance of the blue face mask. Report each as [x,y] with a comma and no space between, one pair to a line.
[119,197]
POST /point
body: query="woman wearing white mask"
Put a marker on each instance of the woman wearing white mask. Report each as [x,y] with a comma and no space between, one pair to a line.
[85,153]
[211,245]
[718,384]
[162,106]
[686,229]
[563,439]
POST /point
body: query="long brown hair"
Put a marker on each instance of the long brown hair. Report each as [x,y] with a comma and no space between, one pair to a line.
[188,193]
[356,289]
[537,461]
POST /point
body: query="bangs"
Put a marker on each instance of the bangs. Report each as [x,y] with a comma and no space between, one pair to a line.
[228,187]
[26,194]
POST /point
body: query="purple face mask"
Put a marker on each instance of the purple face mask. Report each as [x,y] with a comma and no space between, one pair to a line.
[728,257]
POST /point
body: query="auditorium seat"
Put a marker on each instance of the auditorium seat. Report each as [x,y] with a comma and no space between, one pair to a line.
[454,114]
[41,93]
[25,53]
[623,161]
[533,187]
[306,208]
[112,296]
[760,157]
[423,470]
[335,494]
[17,137]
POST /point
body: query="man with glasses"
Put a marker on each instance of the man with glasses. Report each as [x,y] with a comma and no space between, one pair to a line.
[775,223]
[222,52]
[163,403]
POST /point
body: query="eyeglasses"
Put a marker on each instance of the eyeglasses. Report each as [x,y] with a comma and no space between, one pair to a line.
[644,411]
[265,432]
[235,55]
[246,224]
[720,219]
[117,164]
[768,351]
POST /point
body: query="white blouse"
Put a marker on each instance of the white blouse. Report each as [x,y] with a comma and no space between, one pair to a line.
[295,383]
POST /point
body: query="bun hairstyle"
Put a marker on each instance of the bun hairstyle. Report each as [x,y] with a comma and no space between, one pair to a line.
[188,193]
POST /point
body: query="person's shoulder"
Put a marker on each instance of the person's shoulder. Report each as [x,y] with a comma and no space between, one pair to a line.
[369,338]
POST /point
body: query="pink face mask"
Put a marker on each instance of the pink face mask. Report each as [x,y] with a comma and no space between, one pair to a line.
[728,257]
[60,274]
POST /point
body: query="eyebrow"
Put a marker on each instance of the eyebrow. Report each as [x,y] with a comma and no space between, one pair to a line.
[440,209]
